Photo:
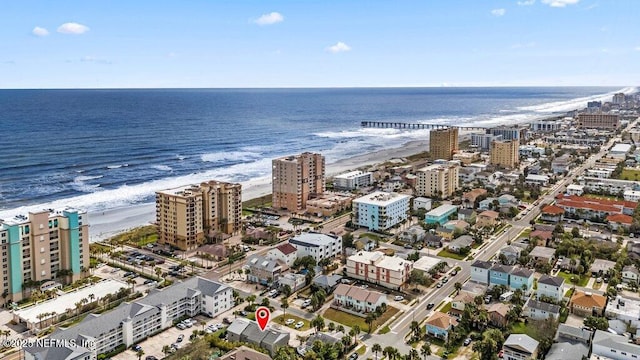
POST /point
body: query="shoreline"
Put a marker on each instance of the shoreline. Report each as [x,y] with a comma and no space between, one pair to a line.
[111,222]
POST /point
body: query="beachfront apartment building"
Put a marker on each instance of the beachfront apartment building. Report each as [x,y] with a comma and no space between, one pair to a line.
[505,153]
[352,180]
[438,180]
[599,121]
[483,141]
[133,322]
[509,132]
[318,246]
[443,143]
[380,210]
[295,179]
[376,267]
[188,214]
[38,246]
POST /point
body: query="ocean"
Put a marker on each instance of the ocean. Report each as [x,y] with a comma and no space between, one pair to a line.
[101,149]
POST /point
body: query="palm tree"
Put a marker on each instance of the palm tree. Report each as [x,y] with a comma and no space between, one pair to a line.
[371,317]
[415,329]
[356,332]
[376,348]
[78,307]
[251,299]
[284,304]
[166,349]
[92,297]
[140,353]
[425,350]
[413,354]
[318,323]
[458,287]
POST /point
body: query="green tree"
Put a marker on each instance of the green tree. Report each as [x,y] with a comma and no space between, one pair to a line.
[284,304]
[376,348]
[318,323]
[596,322]
[425,350]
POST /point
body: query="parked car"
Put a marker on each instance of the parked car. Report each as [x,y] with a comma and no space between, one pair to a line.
[430,306]
[136,347]
[398,298]
[150,357]
[180,338]
[439,285]
[299,324]
[353,356]
[148,281]
[226,321]
[289,322]
[306,303]
[467,341]
[181,326]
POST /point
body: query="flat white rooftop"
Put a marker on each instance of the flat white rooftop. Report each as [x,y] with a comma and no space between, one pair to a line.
[68,300]
[381,198]
[621,148]
[352,174]
[426,263]
[442,210]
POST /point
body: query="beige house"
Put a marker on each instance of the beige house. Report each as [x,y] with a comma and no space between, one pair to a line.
[373,266]
[587,304]
[358,299]
[487,218]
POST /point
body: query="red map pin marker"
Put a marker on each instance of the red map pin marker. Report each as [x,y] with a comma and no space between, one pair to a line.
[263,314]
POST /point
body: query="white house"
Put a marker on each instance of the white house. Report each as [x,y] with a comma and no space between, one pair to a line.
[613,346]
[542,180]
[319,246]
[380,210]
[630,274]
[357,299]
[421,203]
[480,271]
[624,309]
[375,267]
[631,195]
[551,287]
[575,189]
[286,253]
[352,180]
[539,310]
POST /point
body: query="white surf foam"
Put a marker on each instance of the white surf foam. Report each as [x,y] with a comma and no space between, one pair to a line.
[162,167]
[230,156]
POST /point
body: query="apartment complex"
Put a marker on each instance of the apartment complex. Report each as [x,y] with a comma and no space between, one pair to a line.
[509,132]
[186,215]
[319,246]
[599,121]
[380,210]
[483,141]
[443,143]
[375,267]
[295,178]
[352,180]
[36,247]
[133,322]
[438,180]
[505,153]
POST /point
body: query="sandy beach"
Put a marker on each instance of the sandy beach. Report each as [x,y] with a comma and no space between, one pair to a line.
[104,224]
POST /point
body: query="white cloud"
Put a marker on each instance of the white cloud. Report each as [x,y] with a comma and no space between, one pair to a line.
[269,19]
[559,3]
[498,12]
[38,31]
[526,2]
[73,28]
[339,47]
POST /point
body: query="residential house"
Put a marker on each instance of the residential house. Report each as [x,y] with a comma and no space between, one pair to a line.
[539,310]
[560,165]
[414,234]
[551,287]
[568,333]
[357,299]
[439,324]
[327,282]
[541,236]
[567,351]
[421,203]
[445,233]
[468,215]
[587,304]
[633,249]
[433,240]
[459,225]
[511,253]
[520,347]
[480,271]
[521,278]
[319,246]
[263,270]
[499,275]
[294,281]
[542,254]
[458,303]
[613,346]
[630,274]
[624,309]
[568,265]
[551,213]
[575,189]
[245,353]
[245,330]
[488,204]
[285,253]
[534,179]
[441,214]
[464,241]
[469,198]
[487,218]
[497,313]
[426,263]
[600,267]
[617,221]
[507,199]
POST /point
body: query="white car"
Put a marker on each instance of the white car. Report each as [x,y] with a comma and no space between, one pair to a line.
[306,303]
[299,324]
[289,322]
[399,298]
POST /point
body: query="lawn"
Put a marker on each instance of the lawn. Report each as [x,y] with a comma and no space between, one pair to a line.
[351,320]
[448,254]
[362,349]
[629,174]
[445,309]
[522,328]
[371,236]
[281,319]
[525,233]
[605,197]
[567,277]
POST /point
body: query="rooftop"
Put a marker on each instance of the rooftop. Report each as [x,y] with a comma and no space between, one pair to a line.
[553,210]
[442,210]
[441,320]
[539,305]
[352,174]
[490,214]
[380,260]
[313,239]
[522,342]
[624,306]
[381,198]
[426,263]
[620,218]
[601,265]
[287,248]
[542,252]
[481,264]
[612,341]
[588,300]
[556,281]
[567,351]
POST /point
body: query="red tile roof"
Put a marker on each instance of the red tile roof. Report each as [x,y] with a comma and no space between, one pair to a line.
[544,235]
[553,210]
[287,248]
[620,218]
[601,202]
[490,214]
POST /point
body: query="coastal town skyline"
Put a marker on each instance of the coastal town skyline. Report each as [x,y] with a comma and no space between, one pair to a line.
[334,44]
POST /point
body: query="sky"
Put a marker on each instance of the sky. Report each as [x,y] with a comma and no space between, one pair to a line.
[318,43]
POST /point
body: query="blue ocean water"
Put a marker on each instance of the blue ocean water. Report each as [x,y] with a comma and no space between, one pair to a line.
[103,148]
